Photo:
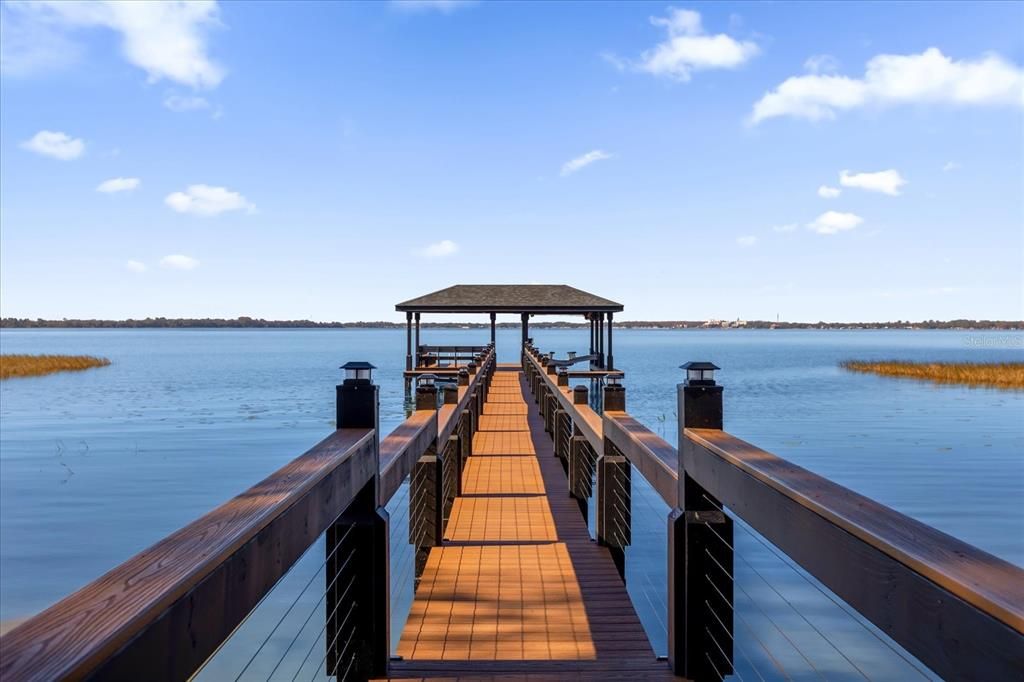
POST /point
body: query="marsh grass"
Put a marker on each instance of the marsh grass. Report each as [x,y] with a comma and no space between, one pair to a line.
[992,374]
[38,365]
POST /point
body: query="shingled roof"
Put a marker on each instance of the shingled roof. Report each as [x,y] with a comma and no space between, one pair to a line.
[510,298]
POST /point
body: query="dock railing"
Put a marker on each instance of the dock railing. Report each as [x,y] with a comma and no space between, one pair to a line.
[165,612]
[956,608]
[433,356]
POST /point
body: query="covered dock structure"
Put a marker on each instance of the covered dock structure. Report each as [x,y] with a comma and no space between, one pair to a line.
[525,300]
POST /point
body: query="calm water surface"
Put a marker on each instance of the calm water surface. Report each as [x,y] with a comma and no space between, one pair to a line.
[97,465]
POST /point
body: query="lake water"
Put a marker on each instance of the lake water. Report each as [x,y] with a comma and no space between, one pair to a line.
[97,465]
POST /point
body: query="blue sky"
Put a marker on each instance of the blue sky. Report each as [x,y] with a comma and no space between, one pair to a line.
[835,161]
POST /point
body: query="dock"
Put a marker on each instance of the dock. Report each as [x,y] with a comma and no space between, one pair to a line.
[519,586]
[485,491]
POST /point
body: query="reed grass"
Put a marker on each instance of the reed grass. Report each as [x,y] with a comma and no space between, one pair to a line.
[992,374]
[37,365]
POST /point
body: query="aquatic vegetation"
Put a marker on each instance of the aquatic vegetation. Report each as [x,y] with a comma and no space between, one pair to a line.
[993,374]
[38,365]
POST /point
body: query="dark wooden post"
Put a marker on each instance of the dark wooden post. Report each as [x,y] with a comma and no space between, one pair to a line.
[426,523]
[408,342]
[581,465]
[358,565]
[525,317]
[417,346]
[581,471]
[590,318]
[700,556]
[600,340]
[614,505]
[611,355]
[614,394]
[494,317]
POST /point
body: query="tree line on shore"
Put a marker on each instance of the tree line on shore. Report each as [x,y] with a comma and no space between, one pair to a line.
[258,323]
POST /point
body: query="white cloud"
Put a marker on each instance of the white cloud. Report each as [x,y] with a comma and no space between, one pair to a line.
[55,144]
[832,222]
[929,77]
[135,266]
[118,185]
[821,63]
[950,166]
[573,165]
[688,48]
[177,261]
[181,103]
[165,39]
[207,200]
[886,182]
[442,6]
[746,241]
[445,247]
[826,192]
[788,227]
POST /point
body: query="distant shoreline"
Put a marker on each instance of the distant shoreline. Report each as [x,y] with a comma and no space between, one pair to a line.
[255,323]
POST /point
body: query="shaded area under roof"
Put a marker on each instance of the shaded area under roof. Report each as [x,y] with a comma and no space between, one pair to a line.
[510,298]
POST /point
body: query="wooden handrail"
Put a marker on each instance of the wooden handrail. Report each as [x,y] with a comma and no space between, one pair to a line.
[407,443]
[955,607]
[583,416]
[168,608]
[402,447]
[987,582]
[653,457]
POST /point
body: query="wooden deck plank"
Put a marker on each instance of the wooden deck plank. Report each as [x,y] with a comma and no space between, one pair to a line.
[519,589]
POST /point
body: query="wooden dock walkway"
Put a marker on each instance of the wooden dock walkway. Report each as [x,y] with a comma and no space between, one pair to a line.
[519,588]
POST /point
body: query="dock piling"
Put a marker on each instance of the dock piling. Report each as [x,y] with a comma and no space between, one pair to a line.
[700,551]
[357,550]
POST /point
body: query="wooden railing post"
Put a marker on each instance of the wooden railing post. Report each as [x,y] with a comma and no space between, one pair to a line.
[581,465]
[614,493]
[426,506]
[700,555]
[560,422]
[467,427]
[357,553]
[614,514]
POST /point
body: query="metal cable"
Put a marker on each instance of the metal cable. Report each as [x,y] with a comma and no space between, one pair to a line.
[770,620]
[247,617]
[734,642]
[324,629]
[317,639]
[341,655]
[295,601]
[721,651]
[708,656]
[344,650]
[315,608]
[777,555]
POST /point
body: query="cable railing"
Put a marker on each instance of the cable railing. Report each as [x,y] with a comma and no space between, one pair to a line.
[290,580]
[770,571]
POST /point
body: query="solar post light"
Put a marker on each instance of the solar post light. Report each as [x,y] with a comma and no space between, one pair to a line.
[699,373]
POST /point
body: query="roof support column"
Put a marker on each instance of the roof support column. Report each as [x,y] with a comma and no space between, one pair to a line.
[600,340]
[611,356]
[493,318]
[408,342]
[526,327]
[417,339]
